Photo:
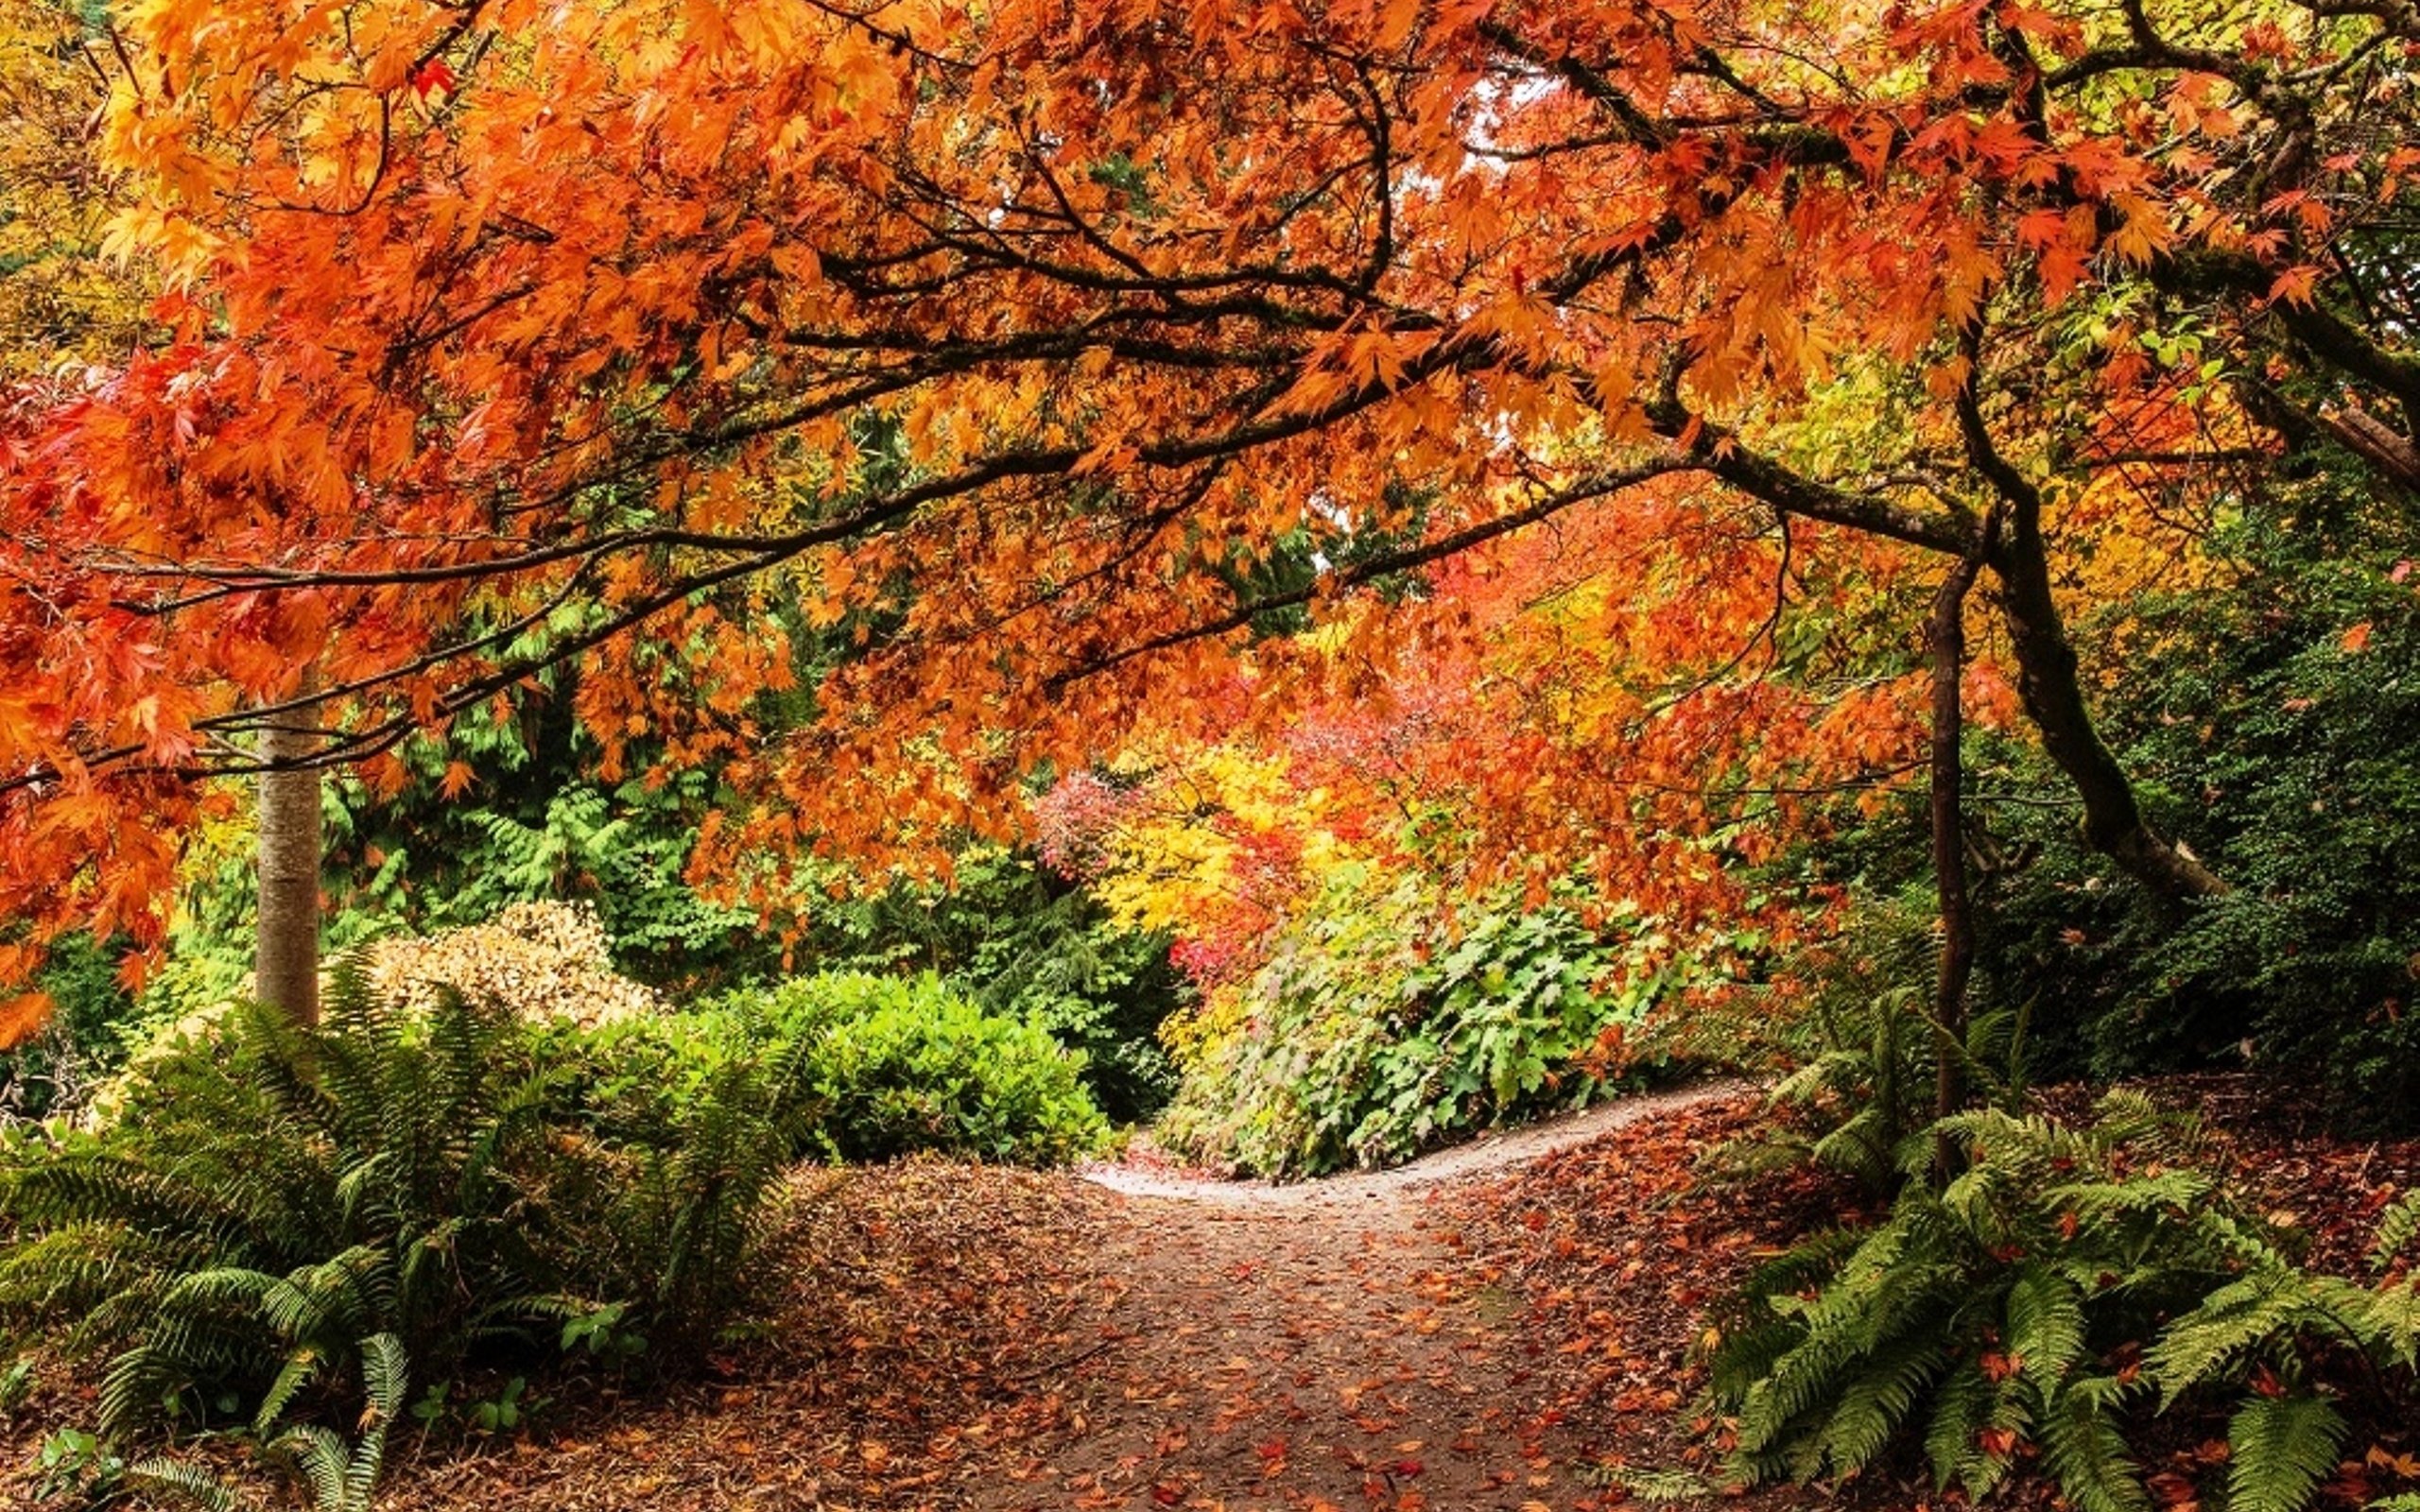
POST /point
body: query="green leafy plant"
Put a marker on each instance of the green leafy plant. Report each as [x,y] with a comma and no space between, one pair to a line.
[76,1462]
[264,1195]
[901,1064]
[2065,1282]
[1373,1033]
[336,1476]
[875,1066]
[1025,943]
[503,1412]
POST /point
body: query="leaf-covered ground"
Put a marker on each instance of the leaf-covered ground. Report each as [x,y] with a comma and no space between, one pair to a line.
[1490,1332]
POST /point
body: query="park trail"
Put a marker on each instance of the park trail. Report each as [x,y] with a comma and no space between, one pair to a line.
[1326,1345]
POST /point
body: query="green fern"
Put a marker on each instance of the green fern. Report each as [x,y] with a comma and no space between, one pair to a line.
[2279,1449]
[268,1196]
[1985,1312]
[339,1477]
[1657,1488]
[2397,1228]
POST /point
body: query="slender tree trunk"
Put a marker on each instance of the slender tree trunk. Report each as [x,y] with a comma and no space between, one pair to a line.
[286,976]
[1945,640]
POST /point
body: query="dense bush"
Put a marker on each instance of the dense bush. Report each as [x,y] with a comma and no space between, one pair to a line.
[1378,1028]
[265,1195]
[2286,746]
[2065,1284]
[1026,944]
[901,1064]
[881,1066]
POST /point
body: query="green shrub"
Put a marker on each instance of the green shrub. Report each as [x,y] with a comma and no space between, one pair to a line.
[896,1065]
[881,1067]
[1366,1038]
[262,1196]
[1025,943]
[2065,1283]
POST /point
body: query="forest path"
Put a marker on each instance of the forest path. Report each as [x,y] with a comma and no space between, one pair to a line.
[1319,1346]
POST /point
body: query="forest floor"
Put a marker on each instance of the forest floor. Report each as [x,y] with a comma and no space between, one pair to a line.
[1503,1326]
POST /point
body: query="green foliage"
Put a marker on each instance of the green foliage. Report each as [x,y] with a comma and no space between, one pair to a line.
[2278,735]
[338,1477]
[878,1066]
[1376,1030]
[262,1197]
[75,1462]
[1025,945]
[625,846]
[2066,1281]
[535,824]
[1869,1046]
[898,1065]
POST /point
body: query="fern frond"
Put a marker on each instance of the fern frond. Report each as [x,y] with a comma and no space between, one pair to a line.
[386,1376]
[2230,1319]
[185,1482]
[1962,1410]
[2388,1322]
[2397,1228]
[301,1367]
[2279,1449]
[2046,1325]
[323,1460]
[1877,1400]
[2083,1448]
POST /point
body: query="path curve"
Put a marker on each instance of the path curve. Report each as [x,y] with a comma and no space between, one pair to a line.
[1326,1345]
[1492,1152]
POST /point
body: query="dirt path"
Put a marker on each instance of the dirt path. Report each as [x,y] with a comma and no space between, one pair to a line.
[976,1339]
[1322,1344]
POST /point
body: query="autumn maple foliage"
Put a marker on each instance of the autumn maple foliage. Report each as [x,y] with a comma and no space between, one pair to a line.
[1004,342]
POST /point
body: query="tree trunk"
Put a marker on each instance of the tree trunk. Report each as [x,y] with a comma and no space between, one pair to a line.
[2048,682]
[1945,640]
[287,975]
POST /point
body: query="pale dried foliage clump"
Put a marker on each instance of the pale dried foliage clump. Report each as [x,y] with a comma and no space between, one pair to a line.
[542,960]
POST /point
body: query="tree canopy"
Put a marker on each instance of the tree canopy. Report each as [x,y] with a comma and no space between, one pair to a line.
[1027,357]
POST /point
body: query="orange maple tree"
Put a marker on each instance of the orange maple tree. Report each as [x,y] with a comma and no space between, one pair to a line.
[1008,342]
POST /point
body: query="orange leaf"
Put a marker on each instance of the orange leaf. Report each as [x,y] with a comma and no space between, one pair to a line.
[21,1017]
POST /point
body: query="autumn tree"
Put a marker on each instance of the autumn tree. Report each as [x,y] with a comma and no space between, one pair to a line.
[60,301]
[1014,342]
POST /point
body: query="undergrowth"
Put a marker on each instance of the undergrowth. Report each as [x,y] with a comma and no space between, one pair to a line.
[2066,1284]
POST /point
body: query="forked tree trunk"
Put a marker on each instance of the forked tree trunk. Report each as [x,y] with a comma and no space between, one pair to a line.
[286,974]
